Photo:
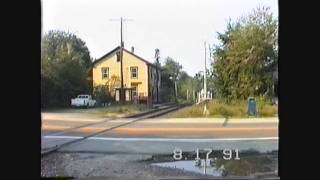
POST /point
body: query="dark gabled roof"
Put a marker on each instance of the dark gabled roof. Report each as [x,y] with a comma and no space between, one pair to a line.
[118,48]
[147,62]
[106,55]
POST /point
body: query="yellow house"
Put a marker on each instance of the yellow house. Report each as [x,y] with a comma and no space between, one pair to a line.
[140,79]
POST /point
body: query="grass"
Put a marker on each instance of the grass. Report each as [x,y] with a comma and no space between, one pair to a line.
[115,110]
[219,108]
[121,110]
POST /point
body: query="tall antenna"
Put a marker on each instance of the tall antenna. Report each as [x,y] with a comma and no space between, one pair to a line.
[121,19]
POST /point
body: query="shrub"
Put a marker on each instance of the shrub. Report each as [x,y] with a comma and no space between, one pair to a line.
[102,95]
[268,110]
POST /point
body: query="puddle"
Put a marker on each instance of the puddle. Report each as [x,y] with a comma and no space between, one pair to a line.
[190,166]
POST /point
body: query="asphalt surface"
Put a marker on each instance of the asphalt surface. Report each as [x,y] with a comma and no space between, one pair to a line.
[156,135]
[142,146]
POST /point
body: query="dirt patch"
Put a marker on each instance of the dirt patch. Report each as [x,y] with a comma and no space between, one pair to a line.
[51,166]
[105,166]
[138,166]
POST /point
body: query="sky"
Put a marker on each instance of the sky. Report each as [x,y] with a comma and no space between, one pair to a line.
[178,28]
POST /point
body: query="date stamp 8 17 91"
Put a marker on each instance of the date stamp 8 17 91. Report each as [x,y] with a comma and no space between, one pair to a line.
[210,155]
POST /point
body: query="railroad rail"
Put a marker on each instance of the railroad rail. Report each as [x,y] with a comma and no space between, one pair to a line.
[134,118]
[156,108]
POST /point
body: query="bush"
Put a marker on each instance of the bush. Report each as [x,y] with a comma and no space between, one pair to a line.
[193,111]
[221,108]
[102,95]
[268,110]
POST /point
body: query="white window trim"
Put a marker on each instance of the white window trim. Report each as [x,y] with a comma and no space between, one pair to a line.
[137,74]
[137,90]
[102,72]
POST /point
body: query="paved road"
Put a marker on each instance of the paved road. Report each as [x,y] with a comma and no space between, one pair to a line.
[195,128]
[166,146]
[159,135]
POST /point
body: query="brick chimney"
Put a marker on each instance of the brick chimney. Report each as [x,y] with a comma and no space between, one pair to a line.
[132,49]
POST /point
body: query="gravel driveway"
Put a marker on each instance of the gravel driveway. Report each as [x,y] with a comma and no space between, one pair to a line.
[105,166]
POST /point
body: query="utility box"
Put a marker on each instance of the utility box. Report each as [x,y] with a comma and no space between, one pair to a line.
[252,107]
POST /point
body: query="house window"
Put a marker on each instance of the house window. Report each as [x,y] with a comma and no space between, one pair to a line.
[118,56]
[105,72]
[134,72]
[134,91]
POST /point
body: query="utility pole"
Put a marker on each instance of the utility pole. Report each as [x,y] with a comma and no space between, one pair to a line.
[176,90]
[205,110]
[121,66]
[175,87]
[193,95]
[211,62]
[121,93]
[187,94]
[157,57]
[205,72]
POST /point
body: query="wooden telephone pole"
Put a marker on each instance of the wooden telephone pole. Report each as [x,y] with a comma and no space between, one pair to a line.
[157,57]
[122,92]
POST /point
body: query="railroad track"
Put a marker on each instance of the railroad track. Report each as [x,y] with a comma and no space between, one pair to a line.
[157,108]
[133,119]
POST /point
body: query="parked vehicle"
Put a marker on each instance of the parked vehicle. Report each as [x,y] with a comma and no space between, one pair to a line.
[83,100]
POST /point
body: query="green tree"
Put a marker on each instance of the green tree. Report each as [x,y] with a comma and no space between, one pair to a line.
[186,86]
[246,56]
[65,65]
[170,73]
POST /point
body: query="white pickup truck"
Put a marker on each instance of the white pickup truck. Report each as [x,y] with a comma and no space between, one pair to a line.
[83,100]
